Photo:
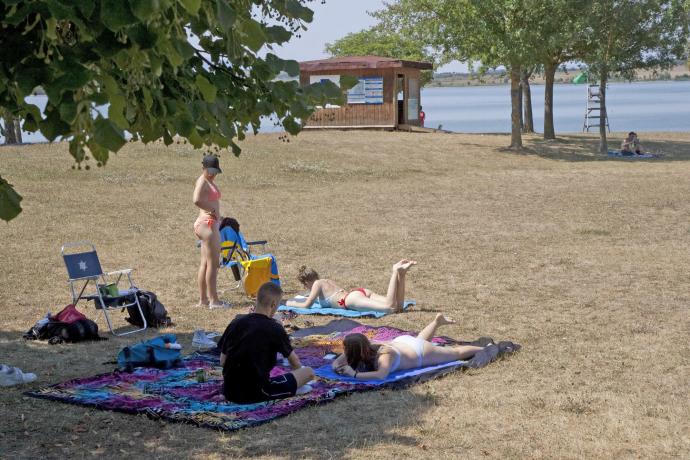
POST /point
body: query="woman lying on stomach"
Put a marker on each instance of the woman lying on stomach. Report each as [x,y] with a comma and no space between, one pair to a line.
[364,360]
[330,295]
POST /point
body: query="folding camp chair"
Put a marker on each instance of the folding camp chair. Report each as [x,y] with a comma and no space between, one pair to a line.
[83,265]
[249,270]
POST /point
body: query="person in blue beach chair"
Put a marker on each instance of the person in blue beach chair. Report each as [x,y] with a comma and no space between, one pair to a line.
[364,360]
[330,295]
[249,347]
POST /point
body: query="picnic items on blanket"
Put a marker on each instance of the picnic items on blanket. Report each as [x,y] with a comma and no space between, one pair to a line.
[161,352]
[10,376]
[317,309]
[178,394]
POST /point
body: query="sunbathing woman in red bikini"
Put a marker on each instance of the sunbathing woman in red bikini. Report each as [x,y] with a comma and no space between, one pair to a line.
[331,295]
[207,199]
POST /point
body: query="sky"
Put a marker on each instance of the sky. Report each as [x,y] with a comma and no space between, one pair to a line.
[333,20]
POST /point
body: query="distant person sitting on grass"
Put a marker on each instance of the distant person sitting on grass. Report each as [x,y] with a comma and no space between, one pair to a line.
[631,145]
[249,347]
[364,360]
[330,295]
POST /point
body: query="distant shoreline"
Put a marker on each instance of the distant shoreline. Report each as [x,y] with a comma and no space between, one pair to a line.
[445,80]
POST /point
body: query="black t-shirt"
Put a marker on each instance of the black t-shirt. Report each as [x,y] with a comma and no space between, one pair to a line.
[250,344]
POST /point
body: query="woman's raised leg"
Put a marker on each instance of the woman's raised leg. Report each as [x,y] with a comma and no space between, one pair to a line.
[400,290]
[430,330]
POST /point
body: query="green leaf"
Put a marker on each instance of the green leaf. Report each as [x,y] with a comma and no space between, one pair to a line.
[226,15]
[75,78]
[254,36]
[116,111]
[51,26]
[9,201]
[299,11]
[53,126]
[107,135]
[292,68]
[98,152]
[278,34]
[196,140]
[192,6]
[208,91]
[68,111]
[145,9]
[116,14]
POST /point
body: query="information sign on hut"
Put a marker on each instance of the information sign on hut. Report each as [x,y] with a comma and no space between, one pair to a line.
[387,95]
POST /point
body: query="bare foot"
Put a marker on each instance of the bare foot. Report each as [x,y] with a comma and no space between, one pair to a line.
[406,264]
[441,320]
[202,303]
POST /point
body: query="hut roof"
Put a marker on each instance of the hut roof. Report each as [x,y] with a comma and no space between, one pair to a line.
[361,62]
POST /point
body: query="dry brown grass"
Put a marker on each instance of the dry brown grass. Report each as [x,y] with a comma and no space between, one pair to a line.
[583,260]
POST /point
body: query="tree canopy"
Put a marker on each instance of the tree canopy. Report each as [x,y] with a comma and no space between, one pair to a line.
[379,41]
[203,70]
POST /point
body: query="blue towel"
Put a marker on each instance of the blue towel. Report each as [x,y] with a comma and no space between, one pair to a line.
[327,372]
[317,309]
[632,156]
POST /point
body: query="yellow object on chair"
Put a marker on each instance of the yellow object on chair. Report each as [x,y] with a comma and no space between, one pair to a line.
[256,273]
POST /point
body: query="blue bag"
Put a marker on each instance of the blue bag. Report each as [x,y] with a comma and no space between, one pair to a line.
[155,352]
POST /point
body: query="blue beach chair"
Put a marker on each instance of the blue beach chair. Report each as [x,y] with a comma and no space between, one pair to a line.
[249,270]
[83,265]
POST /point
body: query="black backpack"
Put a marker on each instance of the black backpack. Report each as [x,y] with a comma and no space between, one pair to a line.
[155,313]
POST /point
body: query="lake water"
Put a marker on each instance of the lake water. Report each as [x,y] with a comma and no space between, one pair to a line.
[639,106]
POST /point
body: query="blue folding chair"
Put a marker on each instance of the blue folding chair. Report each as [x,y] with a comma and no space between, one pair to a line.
[83,265]
[235,251]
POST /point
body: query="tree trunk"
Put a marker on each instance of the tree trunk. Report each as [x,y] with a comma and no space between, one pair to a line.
[18,130]
[515,134]
[522,120]
[550,74]
[10,130]
[603,142]
[528,120]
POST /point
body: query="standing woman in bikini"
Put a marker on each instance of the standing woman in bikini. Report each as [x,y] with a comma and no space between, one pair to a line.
[206,228]
[331,295]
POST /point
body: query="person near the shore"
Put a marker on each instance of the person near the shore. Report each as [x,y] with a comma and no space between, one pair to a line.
[207,199]
[329,294]
[422,116]
[364,360]
[631,144]
[249,347]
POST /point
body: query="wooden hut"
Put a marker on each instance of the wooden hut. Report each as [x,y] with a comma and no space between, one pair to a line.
[387,96]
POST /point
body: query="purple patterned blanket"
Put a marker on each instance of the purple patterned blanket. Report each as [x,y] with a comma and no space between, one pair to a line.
[178,395]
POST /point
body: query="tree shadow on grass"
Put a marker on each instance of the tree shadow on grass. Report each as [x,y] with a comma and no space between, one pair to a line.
[32,427]
[578,148]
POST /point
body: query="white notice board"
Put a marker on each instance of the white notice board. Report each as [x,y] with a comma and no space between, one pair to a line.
[369,90]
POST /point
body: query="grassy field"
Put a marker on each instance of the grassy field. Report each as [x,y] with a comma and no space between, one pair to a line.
[583,260]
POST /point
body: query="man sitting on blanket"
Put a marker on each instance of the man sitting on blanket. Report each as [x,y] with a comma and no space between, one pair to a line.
[248,353]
